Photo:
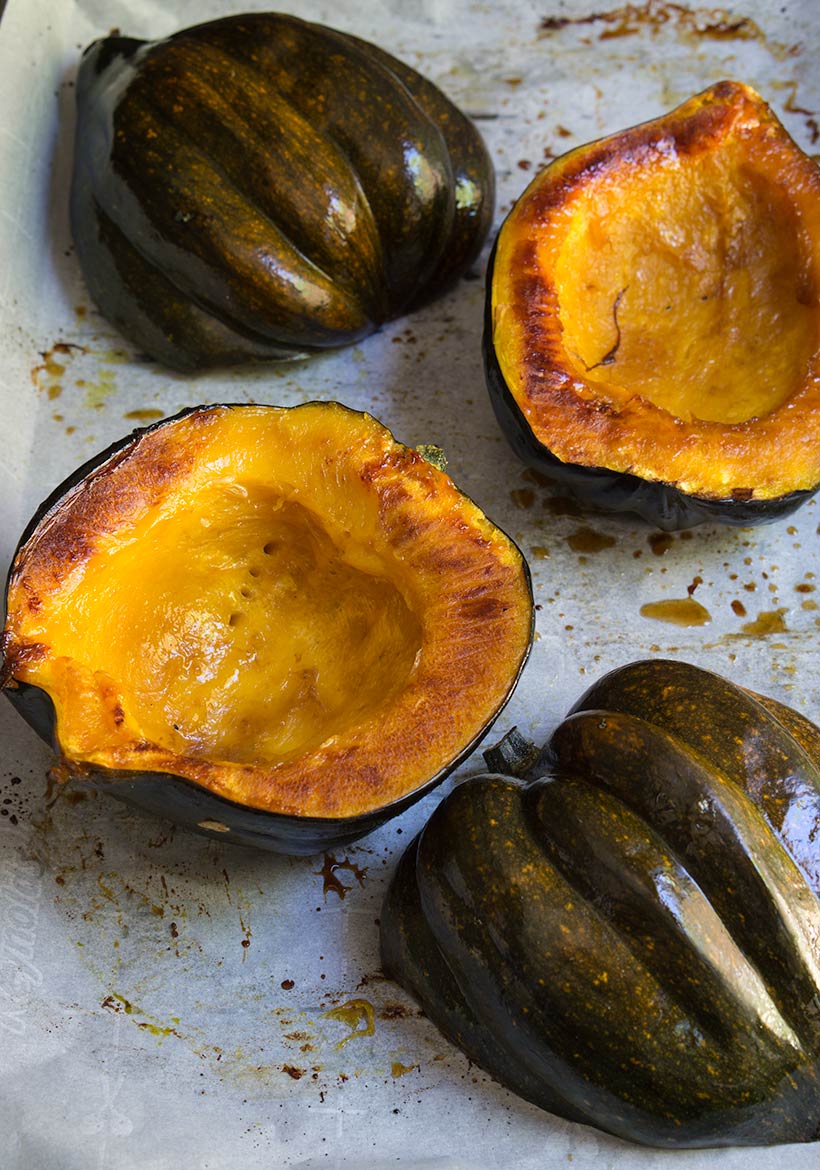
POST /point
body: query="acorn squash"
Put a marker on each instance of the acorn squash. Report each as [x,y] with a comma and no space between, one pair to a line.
[276,624]
[652,331]
[262,187]
[630,939]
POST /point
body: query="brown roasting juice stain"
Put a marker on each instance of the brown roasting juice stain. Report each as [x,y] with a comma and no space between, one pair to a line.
[332,883]
[523,497]
[660,542]
[586,540]
[716,24]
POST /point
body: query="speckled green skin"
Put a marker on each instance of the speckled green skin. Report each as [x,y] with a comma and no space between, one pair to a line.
[260,187]
[632,941]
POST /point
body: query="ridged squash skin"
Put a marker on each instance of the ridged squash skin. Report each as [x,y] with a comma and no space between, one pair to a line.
[278,626]
[652,335]
[261,187]
[630,940]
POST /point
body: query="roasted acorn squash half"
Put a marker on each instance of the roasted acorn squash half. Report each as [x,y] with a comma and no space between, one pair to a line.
[652,334]
[261,187]
[276,624]
[631,939]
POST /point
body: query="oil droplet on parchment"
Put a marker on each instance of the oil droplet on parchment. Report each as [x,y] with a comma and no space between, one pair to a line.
[585,540]
[680,611]
[147,414]
[767,622]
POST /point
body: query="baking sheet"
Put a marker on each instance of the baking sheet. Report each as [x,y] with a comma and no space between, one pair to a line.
[164,998]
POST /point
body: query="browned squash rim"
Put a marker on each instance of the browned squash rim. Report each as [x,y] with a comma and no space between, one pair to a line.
[763,457]
[467,580]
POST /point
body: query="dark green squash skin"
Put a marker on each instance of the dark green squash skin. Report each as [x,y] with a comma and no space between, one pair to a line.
[598,488]
[178,799]
[181,800]
[631,939]
[260,187]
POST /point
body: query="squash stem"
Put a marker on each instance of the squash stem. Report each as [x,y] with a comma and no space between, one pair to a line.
[514,755]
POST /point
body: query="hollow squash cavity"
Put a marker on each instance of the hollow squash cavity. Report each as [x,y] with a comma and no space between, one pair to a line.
[652,337]
[690,284]
[285,607]
[249,635]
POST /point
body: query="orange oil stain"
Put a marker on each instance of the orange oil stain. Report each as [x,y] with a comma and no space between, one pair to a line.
[144,415]
[682,611]
[767,622]
[45,375]
[353,1013]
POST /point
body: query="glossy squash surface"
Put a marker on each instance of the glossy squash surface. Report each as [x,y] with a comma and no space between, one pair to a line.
[631,939]
[284,607]
[653,333]
[260,187]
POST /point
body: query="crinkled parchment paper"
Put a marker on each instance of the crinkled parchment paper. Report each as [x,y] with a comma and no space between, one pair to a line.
[164,999]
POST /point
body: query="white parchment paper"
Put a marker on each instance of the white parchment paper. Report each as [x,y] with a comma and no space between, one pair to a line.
[164,998]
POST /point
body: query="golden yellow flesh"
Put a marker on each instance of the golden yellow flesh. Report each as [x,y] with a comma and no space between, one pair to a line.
[284,606]
[240,631]
[691,285]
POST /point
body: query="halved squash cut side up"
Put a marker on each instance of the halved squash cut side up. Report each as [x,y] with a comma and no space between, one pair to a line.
[654,313]
[285,607]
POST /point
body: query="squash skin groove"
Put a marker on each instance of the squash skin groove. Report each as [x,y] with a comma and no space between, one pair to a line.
[411,946]
[411,226]
[661,1021]
[159,318]
[521,1015]
[631,874]
[778,769]
[468,158]
[418,214]
[217,265]
[750,879]
[236,138]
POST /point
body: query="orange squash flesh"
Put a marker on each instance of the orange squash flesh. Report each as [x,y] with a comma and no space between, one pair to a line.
[286,607]
[655,302]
